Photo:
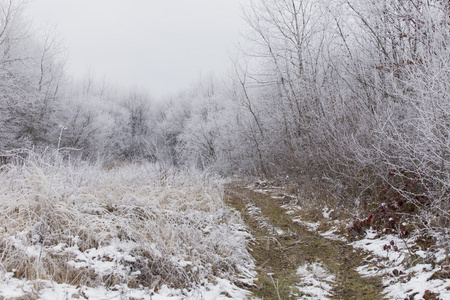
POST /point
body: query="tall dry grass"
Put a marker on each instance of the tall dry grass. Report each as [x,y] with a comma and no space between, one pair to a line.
[139,224]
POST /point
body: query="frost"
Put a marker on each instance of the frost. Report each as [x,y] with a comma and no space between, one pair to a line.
[316,281]
[116,233]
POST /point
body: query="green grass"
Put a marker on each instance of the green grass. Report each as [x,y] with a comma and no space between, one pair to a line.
[282,255]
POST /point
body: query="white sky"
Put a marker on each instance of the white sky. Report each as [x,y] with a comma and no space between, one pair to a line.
[161,45]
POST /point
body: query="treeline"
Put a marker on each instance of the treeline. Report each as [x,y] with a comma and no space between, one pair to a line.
[353,95]
[43,108]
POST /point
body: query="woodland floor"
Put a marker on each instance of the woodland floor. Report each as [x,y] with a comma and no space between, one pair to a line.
[282,245]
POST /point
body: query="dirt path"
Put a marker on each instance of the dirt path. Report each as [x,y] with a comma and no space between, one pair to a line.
[281,246]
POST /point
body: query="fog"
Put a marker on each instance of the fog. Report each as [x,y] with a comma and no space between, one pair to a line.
[162,46]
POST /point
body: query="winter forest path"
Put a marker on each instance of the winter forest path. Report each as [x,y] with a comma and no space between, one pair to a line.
[282,246]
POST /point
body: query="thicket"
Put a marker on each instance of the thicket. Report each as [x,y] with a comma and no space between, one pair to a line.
[349,96]
[355,94]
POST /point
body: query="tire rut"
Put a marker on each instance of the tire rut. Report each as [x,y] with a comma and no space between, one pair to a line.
[281,246]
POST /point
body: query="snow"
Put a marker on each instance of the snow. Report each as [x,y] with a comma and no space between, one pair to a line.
[181,227]
[402,276]
[326,212]
[312,226]
[47,290]
[418,284]
[255,212]
[119,234]
[10,287]
[104,260]
[406,271]
[376,245]
[291,209]
[317,282]
[331,234]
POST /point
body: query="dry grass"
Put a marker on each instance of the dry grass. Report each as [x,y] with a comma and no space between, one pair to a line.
[138,224]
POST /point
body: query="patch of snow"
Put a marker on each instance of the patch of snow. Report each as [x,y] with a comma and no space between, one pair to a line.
[389,247]
[316,281]
[291,209]
[11,287]
[262,191]
[255,212]
[418,283]
[309,225]
[441,255]
[48,290]
[390,256]
[326,212]
[330,234]
[106,260]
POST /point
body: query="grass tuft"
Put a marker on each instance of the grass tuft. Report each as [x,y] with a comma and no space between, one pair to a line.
[86,225]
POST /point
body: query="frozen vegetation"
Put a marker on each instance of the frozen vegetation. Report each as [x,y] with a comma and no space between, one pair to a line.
[138,229]
[327,261]
[107,192]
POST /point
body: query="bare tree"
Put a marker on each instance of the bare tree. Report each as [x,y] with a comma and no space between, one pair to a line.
[31,70]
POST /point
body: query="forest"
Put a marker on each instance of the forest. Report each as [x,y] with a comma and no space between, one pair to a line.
[346,100]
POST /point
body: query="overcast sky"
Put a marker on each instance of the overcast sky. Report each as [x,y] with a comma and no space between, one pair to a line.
[162,45]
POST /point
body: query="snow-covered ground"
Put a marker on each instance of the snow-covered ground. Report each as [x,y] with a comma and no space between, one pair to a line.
[317,282]
[134,232]
[400,267]
[255,212]
[11,288]
[406,271]
[83,232]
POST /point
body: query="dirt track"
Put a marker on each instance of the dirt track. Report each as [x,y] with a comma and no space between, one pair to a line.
[281,246]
